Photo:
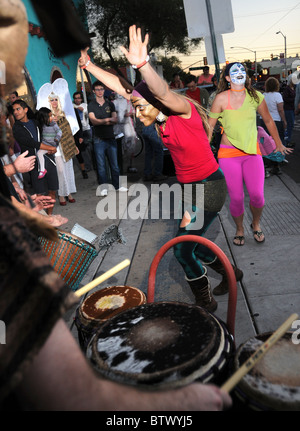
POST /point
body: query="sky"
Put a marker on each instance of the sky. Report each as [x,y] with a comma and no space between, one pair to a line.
[256,23]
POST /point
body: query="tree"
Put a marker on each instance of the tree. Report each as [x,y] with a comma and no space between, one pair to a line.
[163,20]
[170,66]
[250,67]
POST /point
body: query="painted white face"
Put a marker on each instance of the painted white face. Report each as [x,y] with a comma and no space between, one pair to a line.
[237,74]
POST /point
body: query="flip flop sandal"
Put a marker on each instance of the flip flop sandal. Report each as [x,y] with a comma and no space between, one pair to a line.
[258,233]
[241,239]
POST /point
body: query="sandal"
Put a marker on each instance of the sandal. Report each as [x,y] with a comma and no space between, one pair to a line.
[241,240]
[258,233]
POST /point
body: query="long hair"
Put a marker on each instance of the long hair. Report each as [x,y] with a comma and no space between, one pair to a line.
[224,84]
[59,112]
[42,117]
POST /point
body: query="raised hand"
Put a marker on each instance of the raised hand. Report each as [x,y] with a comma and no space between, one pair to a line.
[137,51]
[84,57]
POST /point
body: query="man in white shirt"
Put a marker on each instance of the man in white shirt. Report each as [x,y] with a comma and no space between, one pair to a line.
[82,110]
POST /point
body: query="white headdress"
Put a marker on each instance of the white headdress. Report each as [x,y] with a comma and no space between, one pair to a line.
[58,89]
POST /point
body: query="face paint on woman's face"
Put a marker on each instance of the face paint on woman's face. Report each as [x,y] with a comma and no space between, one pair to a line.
[237,74]
[144,111]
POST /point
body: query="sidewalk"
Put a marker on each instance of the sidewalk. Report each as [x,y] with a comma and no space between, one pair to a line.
[269,291]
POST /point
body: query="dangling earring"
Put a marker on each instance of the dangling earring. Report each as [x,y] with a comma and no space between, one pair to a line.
[160,117]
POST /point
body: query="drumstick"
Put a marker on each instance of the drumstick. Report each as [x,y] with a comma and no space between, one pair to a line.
[258,354]
[102,278]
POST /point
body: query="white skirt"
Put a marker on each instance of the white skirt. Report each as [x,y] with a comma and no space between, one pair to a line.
[66,177]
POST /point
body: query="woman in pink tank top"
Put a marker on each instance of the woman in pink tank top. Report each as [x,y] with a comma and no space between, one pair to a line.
[183,127]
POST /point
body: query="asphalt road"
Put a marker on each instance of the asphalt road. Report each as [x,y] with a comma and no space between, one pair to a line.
[293,167]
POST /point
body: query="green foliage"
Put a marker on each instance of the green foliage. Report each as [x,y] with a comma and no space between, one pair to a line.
[164,20]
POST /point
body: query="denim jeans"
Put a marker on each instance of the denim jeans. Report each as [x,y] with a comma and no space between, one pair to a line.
[103,148]
[290,119]
[153,151]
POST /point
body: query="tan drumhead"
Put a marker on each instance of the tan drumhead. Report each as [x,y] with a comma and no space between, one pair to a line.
[108,302]
[274,382]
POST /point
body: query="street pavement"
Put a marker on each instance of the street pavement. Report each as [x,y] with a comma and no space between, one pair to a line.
[269,291]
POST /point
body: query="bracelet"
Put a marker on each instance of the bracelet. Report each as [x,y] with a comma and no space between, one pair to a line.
[134,66]
[86,64]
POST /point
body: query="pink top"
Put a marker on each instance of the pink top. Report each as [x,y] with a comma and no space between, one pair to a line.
[205,78]
[189,147]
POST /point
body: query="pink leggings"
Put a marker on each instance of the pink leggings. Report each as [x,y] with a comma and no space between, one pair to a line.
[248,169]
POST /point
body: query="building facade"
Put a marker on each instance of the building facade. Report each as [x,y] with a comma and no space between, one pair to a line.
[279,68]
[42,65]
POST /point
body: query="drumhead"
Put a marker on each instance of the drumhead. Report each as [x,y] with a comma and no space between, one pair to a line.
[274,382]
[106,303]
[163,344]
[74,239]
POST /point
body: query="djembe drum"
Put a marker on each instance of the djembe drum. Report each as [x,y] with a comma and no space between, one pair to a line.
[167,344]
[273,384]
[162,345]
[102,305]
[70,257]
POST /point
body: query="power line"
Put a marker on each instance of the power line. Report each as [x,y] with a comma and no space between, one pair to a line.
[276,22]
[260,13]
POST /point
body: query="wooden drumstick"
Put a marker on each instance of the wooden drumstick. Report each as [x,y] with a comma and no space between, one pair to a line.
[101,278]
[258,354]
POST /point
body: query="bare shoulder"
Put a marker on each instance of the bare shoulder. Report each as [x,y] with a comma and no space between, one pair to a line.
[222,96]
[220,102]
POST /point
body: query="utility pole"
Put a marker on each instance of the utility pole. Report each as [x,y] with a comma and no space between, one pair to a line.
[285,67]
[213,38]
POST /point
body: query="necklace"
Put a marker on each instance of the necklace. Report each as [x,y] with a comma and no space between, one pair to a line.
[238,91]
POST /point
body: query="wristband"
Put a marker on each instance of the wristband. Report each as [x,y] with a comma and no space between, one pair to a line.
[134,66]
[86,64]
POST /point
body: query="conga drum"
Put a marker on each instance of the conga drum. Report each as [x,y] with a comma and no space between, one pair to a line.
[102,305]
[162,345]
[70,257]
[273,384]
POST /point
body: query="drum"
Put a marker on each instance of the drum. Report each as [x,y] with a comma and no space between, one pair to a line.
[162,345]
[70,257]
[102,305]
[273,384]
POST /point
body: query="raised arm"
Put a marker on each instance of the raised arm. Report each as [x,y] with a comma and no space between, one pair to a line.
[113,82]
[137,55]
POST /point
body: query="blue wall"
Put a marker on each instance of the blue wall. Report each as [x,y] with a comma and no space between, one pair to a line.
[40,61]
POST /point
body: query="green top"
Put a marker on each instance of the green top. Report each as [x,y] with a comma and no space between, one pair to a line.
[240,124]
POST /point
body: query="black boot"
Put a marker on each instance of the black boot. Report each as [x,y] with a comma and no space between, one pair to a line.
[202,292]
[217,266]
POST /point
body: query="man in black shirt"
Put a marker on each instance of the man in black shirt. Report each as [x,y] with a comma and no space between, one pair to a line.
[103,116]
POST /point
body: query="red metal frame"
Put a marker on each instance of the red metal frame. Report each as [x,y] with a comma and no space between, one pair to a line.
[232,297]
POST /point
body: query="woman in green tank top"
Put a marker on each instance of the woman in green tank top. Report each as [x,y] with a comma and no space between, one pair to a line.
[235,106]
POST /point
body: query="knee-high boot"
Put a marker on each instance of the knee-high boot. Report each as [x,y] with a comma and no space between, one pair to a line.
[217,266]
[201,289]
